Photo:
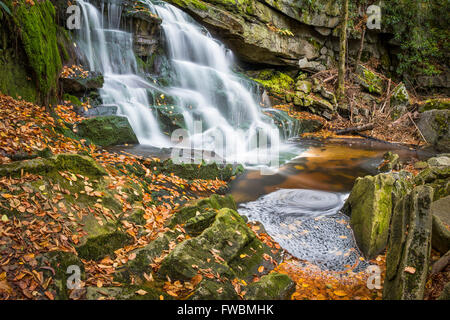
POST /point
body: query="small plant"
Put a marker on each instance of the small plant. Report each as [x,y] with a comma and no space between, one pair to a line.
[282,31]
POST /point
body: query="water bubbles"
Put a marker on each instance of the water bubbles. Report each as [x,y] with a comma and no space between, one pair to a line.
[307,223]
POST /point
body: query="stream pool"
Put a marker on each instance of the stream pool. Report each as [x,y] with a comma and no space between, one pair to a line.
[299,206]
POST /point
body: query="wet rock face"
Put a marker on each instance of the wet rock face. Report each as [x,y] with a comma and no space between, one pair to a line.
[80,84]
[107,131]
[256,30]
[409,246]
[370,206]
[434,126]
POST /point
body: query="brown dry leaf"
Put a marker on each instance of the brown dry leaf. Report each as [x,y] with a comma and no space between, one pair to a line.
[141,292]
[340,293]
[410,270]
[49,295]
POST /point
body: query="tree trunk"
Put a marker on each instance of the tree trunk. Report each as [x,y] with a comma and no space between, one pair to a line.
[342,52]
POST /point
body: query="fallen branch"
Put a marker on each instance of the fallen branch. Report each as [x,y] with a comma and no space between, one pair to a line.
[439,265]
[356,129]
[329,79]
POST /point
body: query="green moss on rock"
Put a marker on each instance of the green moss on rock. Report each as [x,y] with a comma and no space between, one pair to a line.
[369,80]
[275,81]
[431,104]
[409,246]
[60,262]
[370,206]
[274,286]
[107,131]
[100,246]
[38,31]
[128,292]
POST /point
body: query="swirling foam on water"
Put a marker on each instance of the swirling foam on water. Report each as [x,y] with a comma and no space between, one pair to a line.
[307,223]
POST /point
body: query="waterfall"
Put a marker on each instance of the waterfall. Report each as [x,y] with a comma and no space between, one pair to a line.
[109,51]
[228,120]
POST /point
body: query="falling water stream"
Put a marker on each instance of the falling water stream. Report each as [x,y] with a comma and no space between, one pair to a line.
[219,109]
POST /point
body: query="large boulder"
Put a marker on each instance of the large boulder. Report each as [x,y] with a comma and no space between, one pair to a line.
[217,248]
[434,126]
[82,83]
[75,163]
[409,246]
[370,206]
[435,104]
[107,131]
[440,210]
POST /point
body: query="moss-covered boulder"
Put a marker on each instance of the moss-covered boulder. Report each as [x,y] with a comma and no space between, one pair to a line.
[214,290]
[38,33]
[370,206]
[194,209]
[303,86]
[390,161]
[100,246]
[82,84]
[170,116]
[63,265]
[409,246]
[441,161]
[228,248]
[275,82]
[274,286]
[134,269]
[107,131]
[400,101]
[441,224]
[369,80]
[435,104]
[227,236]
[75,163]
[436,177]
[192,171]
[434,126]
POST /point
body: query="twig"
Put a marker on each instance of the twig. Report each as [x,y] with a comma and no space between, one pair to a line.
[439,265]
[361,46]
[410,118]
[388,96]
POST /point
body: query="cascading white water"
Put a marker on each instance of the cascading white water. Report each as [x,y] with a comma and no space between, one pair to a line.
[110,52]
[208,91]
[230,117]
